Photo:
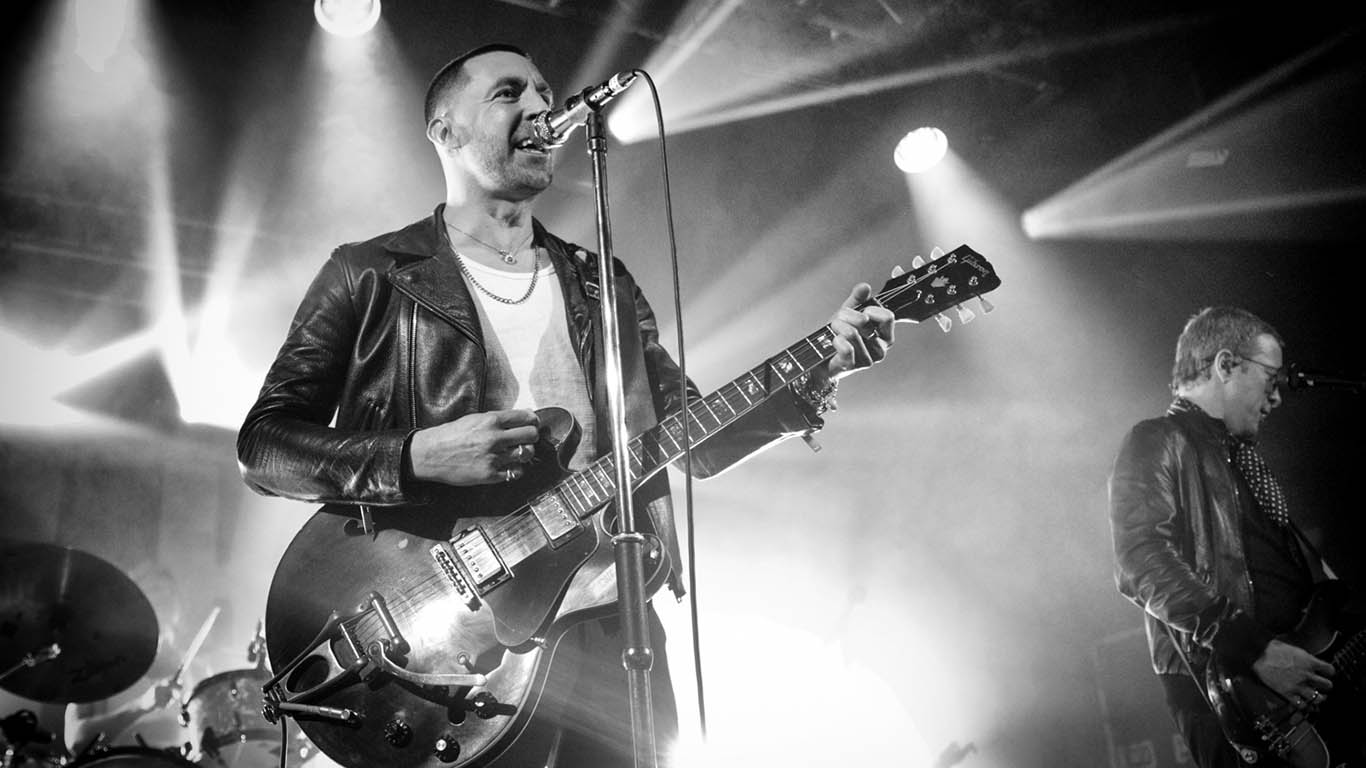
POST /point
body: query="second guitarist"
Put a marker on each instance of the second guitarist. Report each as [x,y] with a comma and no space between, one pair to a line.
[415,360]
[1205,545]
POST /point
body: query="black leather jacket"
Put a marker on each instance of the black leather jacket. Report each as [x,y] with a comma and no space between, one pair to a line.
[388,340]
[1175,514]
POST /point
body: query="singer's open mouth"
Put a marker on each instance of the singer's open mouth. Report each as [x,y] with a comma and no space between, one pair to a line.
[530,145]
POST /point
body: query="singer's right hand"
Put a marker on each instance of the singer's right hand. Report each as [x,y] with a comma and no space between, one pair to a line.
[478,449]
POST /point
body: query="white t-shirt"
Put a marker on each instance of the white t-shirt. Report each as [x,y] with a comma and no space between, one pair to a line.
[531,361]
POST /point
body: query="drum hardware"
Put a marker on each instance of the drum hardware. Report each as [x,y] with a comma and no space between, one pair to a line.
[256,649]
[131,757]
[227,724]
[18,731]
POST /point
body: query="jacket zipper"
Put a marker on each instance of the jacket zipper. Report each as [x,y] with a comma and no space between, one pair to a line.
[412,368]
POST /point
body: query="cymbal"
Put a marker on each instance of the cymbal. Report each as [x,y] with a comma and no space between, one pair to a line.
[102,622]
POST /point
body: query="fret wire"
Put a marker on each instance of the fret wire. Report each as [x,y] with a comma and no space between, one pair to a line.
[659,454]
[578,503]
[820,352]
[585,490]
[765,373]
[612,467]
[721,396]
[759,383]
[707,407]
[636,466]
[601,491]
[664,425]
[607,477]
[594,499]
[593,483]
[695,426]
[744,393]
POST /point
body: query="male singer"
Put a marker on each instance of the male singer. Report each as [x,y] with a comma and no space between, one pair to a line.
[432,345]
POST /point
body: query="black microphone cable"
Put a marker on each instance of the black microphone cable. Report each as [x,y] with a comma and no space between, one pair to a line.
[684,397]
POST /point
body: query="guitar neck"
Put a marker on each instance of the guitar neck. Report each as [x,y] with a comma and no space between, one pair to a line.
[920,294]
[1349,660]
[662,444]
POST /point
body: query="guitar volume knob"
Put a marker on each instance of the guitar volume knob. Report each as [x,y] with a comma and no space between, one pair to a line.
[446,749]
[398,733]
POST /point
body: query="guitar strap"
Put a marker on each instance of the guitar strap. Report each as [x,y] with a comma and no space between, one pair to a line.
[640,412]
[1318,564]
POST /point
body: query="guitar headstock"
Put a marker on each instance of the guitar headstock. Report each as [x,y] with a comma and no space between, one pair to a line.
[942,284]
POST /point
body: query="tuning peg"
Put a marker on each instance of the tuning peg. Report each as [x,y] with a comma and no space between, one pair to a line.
[897,271]
[965,315]
[986,305]
[944,322]
[937,253]
[917,263]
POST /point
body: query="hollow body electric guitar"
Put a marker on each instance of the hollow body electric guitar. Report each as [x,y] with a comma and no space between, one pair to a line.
[424,638]
[1261,723]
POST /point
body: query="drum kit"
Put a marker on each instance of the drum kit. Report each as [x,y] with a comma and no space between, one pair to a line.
[75,629]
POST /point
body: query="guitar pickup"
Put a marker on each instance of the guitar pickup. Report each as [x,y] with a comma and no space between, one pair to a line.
[476,558]
[557,521]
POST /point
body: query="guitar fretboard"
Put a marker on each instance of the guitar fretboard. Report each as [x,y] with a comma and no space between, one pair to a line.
[660,445]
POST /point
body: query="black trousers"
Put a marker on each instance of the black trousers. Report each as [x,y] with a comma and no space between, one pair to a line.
[584,719]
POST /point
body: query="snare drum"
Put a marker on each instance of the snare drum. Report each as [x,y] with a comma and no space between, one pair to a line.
[225,724]
[133,757]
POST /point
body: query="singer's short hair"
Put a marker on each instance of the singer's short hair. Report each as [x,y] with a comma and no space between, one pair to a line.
[452,76]
[1210,330]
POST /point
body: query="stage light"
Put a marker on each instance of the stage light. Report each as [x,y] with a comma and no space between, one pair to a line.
[920,149]
[346,18]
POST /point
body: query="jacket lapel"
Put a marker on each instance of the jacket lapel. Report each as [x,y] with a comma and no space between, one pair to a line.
[425,272]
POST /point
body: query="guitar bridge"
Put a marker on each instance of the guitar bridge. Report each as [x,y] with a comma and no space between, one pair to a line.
[354,660]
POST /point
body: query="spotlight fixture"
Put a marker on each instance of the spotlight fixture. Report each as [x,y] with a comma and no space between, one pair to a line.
[920,149]
[346,18]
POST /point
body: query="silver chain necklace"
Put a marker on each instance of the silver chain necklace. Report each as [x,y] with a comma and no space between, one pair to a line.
[535,273]
[507,256]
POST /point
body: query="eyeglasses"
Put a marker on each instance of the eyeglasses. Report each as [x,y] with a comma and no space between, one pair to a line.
[1277,377]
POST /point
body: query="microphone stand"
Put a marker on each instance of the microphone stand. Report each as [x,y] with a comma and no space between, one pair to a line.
[628,546]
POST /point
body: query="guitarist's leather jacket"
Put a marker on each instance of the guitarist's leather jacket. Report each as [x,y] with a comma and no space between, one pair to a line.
[388,339]
[1176,521]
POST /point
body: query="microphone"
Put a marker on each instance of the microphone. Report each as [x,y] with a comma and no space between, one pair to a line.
[1301,378]
[551,129]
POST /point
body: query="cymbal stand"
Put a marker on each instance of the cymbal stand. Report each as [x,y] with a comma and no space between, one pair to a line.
[44,654]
